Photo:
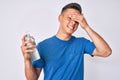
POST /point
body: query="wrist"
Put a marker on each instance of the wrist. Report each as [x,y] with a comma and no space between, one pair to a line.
[27,61]
[86,28]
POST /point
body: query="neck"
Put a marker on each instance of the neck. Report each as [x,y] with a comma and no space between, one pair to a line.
[62,35]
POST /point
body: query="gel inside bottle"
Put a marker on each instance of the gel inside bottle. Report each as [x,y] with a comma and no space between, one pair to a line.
[35,55]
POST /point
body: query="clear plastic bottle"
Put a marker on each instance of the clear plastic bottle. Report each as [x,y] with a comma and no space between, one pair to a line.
[35,55]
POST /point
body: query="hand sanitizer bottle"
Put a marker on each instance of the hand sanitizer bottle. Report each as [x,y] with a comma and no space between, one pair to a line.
[35,55]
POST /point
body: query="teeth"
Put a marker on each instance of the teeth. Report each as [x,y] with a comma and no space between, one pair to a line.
[71,27]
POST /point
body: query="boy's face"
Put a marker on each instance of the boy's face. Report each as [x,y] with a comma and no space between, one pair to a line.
[68,25]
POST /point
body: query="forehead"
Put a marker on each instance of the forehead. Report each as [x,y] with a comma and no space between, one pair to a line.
[70,12]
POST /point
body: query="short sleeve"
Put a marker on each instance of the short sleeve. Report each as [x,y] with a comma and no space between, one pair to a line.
[38,63]
[89,47]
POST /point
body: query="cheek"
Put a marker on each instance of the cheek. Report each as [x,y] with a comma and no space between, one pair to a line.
[65,22]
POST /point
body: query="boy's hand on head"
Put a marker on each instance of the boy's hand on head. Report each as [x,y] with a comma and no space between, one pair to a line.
[80,19]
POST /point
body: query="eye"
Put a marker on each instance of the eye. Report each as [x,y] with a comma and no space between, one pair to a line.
[69,18]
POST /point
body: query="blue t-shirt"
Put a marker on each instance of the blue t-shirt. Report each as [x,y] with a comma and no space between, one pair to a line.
[63,60]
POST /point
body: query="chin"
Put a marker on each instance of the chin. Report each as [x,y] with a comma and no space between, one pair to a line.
[70,33]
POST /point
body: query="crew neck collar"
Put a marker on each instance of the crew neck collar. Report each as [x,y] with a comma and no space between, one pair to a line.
[64,41]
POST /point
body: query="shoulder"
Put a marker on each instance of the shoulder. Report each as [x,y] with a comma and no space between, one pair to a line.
[81,39]
[46,41]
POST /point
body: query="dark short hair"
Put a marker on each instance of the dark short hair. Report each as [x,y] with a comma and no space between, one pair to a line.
[75,6]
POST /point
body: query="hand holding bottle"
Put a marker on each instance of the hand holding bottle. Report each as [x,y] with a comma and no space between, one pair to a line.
[29,49]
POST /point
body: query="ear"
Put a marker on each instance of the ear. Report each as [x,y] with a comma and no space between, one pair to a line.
[59,18]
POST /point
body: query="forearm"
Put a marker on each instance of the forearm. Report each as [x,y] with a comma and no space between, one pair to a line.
[101,45]
[102,48]
[30,72]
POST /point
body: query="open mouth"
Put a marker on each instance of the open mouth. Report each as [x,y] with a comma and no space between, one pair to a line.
[71,27]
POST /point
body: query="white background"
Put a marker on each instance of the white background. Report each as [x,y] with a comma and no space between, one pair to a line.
[39,18]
